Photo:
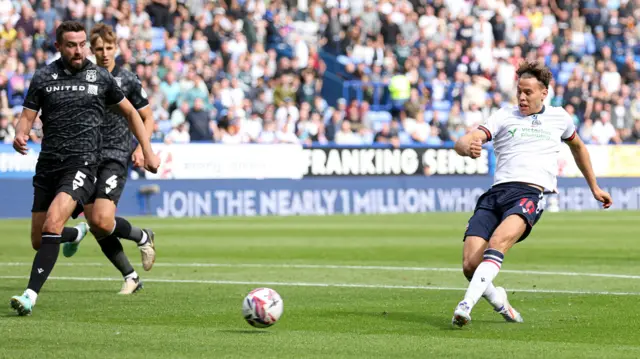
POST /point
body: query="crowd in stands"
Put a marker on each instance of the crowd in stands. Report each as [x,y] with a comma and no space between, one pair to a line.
[426,71]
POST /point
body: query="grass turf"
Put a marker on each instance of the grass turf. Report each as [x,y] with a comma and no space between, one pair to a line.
[358,287]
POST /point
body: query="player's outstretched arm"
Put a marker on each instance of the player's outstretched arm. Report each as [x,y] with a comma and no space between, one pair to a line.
[470,145]
[149,123]
[583,160]
[137,127]
[23,129]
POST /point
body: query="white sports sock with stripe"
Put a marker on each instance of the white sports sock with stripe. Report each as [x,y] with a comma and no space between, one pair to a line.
[483,277]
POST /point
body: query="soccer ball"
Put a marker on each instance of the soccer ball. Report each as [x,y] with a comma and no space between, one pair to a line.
[262,307]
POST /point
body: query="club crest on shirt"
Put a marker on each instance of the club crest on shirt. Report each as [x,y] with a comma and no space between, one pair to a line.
[119,81]
[92,75]
[535,121]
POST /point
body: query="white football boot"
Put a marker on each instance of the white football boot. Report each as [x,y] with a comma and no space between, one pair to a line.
[507,311]
[462,315]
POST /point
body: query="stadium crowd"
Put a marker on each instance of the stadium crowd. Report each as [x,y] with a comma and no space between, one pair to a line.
[238,71]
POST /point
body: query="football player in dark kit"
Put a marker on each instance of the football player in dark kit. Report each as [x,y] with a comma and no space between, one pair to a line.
[113,169]
[73,95]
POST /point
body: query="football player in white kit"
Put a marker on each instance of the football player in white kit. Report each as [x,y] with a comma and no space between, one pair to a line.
[527,139]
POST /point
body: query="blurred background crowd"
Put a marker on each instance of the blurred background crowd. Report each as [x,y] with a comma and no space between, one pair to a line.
[347,72]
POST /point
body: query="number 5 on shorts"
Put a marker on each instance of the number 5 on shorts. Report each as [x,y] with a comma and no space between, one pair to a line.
[112,183]
[79,180]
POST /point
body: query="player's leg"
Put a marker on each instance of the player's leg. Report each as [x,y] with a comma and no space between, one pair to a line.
[520,215]
[479,229]
[113,179]
[101,218]
[58,194]
[47,255]
[144,238]
[44,190]
[37,221]
[502,239]
[473,254]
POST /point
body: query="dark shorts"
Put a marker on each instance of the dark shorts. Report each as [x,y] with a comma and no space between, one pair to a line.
[77,181]
[112,176]
[502,201]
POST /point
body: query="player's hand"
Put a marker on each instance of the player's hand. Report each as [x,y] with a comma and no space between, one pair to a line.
[138,158]
[475,148]
[20,144]
[151,163]
[604,197]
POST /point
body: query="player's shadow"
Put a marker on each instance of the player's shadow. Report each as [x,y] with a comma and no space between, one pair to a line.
[90,291]
[245,331]
[439,322]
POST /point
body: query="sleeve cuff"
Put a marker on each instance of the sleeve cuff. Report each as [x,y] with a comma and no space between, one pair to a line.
[486,132]
[570,138]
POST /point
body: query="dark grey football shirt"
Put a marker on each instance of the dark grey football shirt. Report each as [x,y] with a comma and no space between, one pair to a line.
[117,139]
[73,107]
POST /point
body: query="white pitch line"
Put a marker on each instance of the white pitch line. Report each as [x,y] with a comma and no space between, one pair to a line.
[331,266]
[328,285]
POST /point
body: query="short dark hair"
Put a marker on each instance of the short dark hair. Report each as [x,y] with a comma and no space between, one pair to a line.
[68,26]
[536,70]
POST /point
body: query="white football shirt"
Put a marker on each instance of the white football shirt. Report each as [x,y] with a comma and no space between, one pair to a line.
[527,147]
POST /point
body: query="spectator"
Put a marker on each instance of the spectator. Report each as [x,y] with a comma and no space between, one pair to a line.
[441,56]
[603,130]
[286,134]
[420,130]
[170,88]
[345,136]
[232,135]
[178,135]
[7,132]
[199,123]
[268,134]
[634,135]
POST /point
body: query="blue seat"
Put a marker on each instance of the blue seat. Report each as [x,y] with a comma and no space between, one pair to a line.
[568,66]
[563,77]
[442,105]
[157,39]
[379,118]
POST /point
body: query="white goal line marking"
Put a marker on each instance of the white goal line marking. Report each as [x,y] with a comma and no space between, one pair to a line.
[327,285]
[330,266]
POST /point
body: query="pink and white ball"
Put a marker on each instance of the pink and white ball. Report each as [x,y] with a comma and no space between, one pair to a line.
[262,307]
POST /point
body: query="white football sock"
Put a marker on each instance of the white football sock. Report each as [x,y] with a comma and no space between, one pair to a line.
[492,296]
[79,236]
[31,295]
[144,238]
[483,276]
[131,275]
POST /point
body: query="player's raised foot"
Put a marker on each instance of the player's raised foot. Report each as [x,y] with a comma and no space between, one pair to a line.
[507,311]
[70,248]
[131,285]
[22,304]
[462,315]
[148,251]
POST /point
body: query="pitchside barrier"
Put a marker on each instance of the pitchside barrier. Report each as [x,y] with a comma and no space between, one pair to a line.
[284,180]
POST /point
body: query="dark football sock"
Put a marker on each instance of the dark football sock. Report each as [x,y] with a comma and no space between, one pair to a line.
[125,230]
[69,234]
[112,249]
[44,261]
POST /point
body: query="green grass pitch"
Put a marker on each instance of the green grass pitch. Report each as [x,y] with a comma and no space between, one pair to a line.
[353,287]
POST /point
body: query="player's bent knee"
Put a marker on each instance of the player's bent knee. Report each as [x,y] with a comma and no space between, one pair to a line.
[54,223]
[101,223]
[469,266]
[474,247]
